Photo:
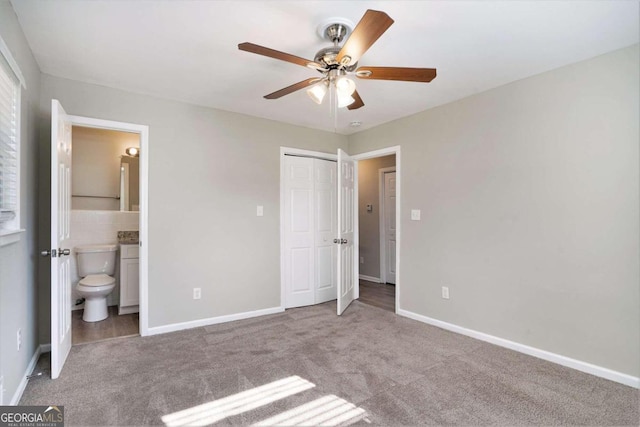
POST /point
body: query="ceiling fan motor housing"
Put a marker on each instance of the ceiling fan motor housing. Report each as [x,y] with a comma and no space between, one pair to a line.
[327,56]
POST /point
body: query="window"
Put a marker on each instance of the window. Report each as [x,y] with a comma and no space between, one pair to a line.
[10,82]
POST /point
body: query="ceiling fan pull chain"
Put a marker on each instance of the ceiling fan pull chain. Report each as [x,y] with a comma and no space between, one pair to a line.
[335,113]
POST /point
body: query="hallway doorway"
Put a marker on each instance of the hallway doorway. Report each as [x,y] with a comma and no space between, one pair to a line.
[377,230]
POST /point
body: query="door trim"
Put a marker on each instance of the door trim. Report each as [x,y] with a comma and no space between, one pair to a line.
[143,131]
[296,152]
[380,153]
[383,243]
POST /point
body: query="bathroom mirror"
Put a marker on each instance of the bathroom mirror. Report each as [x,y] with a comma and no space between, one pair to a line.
[96,175]
[129,183]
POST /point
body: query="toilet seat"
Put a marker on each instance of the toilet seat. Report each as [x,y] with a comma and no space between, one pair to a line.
[95,280]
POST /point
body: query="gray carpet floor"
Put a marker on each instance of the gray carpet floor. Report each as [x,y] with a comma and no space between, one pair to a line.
[308,366]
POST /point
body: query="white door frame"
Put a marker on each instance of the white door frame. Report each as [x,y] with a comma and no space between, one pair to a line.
[383,231]
[143,131]
[380,153]
[295,152]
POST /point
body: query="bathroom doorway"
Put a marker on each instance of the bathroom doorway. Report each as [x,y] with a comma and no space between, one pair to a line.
[61,248]
[105,210]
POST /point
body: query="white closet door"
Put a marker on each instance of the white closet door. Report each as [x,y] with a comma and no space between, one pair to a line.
[299,263]
[390,226]
[326,214]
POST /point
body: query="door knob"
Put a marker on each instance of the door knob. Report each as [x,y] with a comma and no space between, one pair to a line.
[49,252]
[343,241]
[336,241]
[62,252]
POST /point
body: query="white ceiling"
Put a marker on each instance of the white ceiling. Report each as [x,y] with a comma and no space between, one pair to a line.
[187,50]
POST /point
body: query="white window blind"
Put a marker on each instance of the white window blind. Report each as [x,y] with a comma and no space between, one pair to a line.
[9,106]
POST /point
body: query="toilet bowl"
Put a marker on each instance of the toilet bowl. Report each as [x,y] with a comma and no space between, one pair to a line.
[96,266]
[94,289]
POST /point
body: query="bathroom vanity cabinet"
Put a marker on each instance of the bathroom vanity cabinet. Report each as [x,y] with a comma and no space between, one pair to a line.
[129,279]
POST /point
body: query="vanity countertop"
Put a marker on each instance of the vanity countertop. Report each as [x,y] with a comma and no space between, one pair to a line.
[128,237]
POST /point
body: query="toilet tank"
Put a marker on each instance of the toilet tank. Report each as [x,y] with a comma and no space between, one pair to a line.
[96,259]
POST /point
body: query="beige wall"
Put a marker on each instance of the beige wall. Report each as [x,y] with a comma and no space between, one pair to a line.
[18,278]
[369,222]
[530,210]
[96,166]
[208,170]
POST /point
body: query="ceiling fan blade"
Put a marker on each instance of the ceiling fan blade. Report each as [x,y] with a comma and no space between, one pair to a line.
[276,54]
[294,87]
[397,73]
[372,25]
[358,101]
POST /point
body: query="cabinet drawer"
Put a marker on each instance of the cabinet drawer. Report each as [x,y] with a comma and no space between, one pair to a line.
[129,251]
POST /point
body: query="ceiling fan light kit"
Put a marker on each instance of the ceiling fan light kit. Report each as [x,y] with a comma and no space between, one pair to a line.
[318,91]
[345,100]
[336,63]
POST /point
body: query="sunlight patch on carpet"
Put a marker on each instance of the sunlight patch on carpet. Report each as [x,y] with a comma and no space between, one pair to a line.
[214,411]
[326,411]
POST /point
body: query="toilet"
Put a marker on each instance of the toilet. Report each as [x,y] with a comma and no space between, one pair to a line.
[96,266]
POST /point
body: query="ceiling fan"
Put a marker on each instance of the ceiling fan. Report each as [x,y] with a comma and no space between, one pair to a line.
[336,63]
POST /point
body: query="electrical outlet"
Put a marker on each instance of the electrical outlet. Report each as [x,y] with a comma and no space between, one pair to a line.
[19,339]
[260,211]
[196,293]
[415,214]
[445,292]
[361,260]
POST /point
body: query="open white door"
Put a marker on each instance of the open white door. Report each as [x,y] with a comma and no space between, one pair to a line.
[390,227]
[346,226]
[60,237]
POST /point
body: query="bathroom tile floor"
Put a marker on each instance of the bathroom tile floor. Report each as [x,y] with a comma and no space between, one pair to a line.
[111,327]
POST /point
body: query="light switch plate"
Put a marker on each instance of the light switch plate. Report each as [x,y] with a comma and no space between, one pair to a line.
[415,214]
[260,211]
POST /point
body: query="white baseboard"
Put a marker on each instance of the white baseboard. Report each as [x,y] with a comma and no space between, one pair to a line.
[579,365]
[370,278]
[212,321]
[45,348]
[23,383]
